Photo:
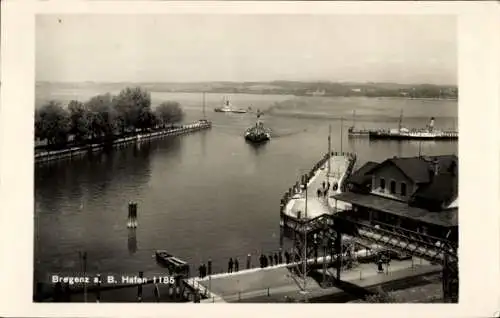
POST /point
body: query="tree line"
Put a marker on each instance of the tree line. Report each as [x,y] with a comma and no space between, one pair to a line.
[344,89]
[102,118]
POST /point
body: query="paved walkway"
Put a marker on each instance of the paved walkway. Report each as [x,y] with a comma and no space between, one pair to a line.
[277,281]
[317,206]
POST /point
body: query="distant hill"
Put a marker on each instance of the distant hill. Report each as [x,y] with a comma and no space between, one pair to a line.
[298,88]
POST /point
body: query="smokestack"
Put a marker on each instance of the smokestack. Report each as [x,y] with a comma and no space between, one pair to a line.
[431,124]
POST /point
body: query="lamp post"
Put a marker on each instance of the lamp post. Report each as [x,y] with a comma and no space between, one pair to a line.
[304,250]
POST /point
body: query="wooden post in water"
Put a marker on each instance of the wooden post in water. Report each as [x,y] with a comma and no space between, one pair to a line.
[139,288]
[132,215]
[84,269]
[98,292]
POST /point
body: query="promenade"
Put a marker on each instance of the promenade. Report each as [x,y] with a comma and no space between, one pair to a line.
[323,204]
[276,283]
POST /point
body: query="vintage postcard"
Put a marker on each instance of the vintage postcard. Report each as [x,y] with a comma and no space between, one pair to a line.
[251,153]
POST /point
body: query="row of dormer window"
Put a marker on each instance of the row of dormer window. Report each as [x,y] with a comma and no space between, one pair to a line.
[393,186]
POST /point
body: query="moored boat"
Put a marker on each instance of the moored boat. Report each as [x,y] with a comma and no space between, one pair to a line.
[353,132]
[173,264]
[402,133]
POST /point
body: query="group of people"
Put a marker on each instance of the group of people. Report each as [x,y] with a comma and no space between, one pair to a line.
[205,270]
[323,191]
[265,261]
[233,264]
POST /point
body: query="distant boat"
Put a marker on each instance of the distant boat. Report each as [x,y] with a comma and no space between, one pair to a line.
[353,132]
[257,133]
[239,111]
[225,108]
[402,133]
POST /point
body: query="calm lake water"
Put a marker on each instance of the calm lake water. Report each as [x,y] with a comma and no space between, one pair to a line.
[207,194]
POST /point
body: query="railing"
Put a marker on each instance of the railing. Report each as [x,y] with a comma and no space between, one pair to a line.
[306,178]
[422,245]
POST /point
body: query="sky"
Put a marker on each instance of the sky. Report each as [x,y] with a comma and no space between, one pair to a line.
[203,47]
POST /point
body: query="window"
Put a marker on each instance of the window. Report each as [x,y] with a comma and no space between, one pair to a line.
[393,187]
[403,189]
[382,183]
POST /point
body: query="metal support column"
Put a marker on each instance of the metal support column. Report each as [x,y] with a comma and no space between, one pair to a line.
[282,229]
[338,253]
[325,253]
[450,280]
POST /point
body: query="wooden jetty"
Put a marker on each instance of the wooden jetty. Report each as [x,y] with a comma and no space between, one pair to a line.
[74,152]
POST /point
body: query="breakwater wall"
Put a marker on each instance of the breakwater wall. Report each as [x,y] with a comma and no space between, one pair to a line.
[73,152]
[306,178]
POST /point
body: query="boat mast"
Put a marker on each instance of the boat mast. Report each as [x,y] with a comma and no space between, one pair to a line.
[329,147]
[353,118]
[341,132]
[400,120]
[204,106]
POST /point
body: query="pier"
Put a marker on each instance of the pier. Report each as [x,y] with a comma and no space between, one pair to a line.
[74,152]
[334,226]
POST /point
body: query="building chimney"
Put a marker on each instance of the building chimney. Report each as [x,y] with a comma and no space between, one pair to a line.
[435,166]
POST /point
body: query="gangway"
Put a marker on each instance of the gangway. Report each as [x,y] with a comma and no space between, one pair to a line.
[334,228]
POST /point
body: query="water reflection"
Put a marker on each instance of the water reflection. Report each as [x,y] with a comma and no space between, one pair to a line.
[82,204]
[132,240]
[257,148]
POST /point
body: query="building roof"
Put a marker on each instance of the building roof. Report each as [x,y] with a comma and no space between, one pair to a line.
[445,218]
[361,176]
[418,169]
[442,190]
[435,190]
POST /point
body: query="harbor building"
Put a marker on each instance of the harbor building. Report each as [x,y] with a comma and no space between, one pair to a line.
[416,193]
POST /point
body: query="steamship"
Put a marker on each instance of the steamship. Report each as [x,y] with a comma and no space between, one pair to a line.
[227,108]
[402,133]
[257,133]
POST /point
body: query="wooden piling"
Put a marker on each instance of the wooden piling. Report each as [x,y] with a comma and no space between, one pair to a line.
[98,292]
[139,288]
[132,215]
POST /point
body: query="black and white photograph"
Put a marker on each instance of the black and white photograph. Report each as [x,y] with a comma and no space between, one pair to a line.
[247,158]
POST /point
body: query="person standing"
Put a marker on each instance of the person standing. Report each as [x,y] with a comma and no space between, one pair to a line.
[275,259]
[209,266]
[236,264]
[230,266]
[204,270]
[249,261]
[200,271]
[379,267]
